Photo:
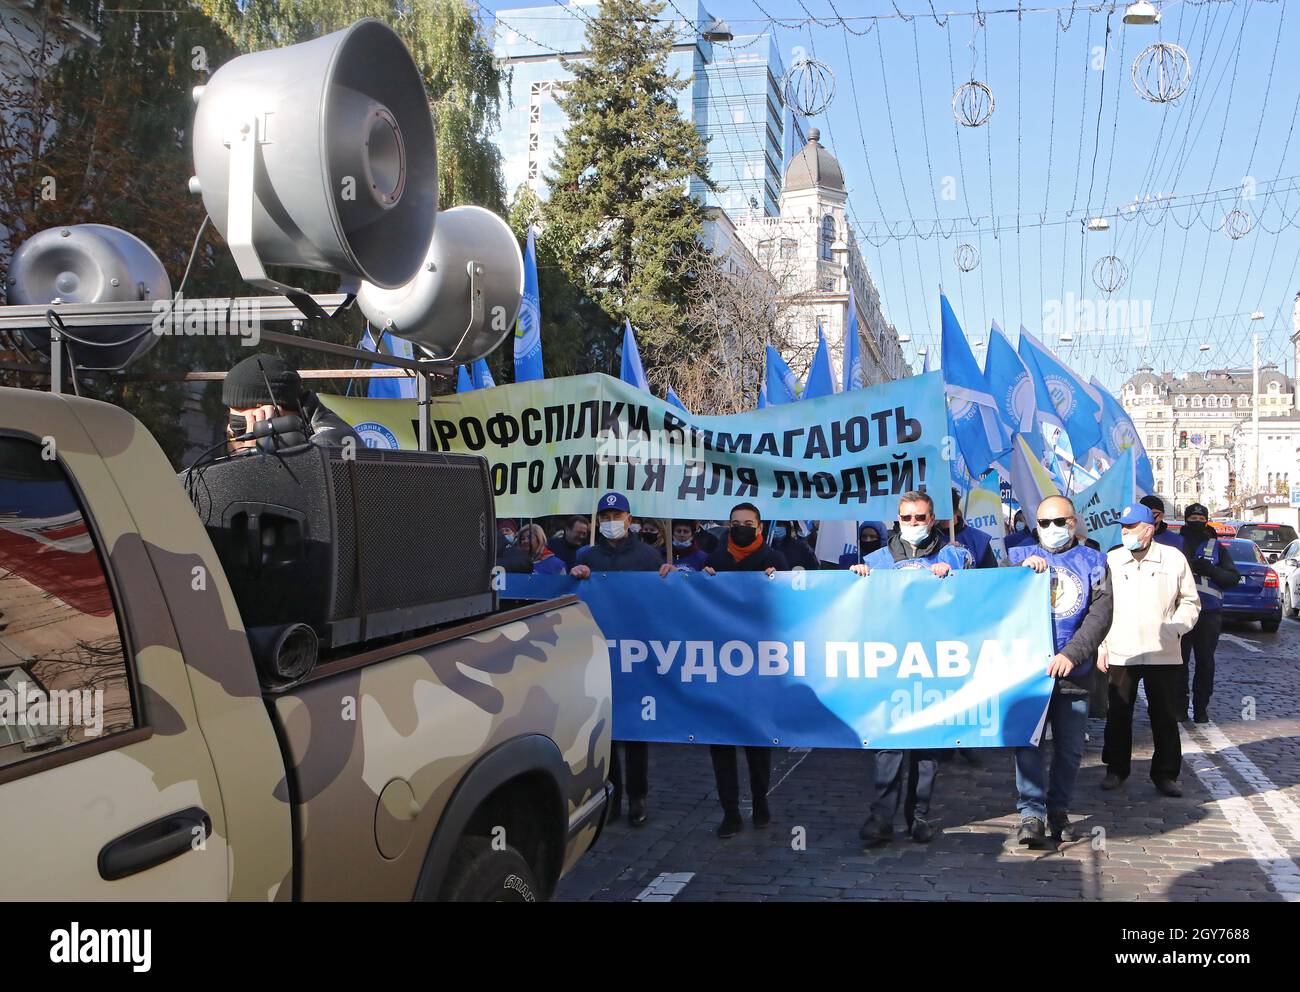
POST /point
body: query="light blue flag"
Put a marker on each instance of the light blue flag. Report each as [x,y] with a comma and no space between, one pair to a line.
[762,395]
[976,424]
[855,376]
[481,375]
[528,328]
[464,384]
[1010,384]
[675,400]
[1045,415]
[630,370]
[821,375]
[395,388]
[1101,504]
[1119,435]
[1076,406]
[782,384]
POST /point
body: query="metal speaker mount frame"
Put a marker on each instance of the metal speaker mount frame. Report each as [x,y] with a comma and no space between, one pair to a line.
[465,298]
[88,264]
[320,156]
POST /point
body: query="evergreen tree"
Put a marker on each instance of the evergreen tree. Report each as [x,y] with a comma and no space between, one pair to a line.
[621,216]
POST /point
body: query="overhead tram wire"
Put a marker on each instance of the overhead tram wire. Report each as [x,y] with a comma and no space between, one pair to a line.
[925,135]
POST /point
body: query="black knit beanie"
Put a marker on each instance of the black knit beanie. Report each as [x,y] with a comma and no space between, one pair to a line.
[246,384]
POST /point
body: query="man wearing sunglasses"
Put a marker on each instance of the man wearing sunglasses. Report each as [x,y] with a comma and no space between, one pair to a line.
[915,543]
[1081,607]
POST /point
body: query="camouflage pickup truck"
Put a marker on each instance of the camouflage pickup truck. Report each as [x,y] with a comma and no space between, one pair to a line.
[140,757]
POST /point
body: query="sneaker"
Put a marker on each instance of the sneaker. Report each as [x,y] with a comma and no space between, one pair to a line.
[1032,833]
[1061,830]
[731,824]
[875,832]
[1111,782]
[636,814]
[762,815]
[921,831]
[1168,787]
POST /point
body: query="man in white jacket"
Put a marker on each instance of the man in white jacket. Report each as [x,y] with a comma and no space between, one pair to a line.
[1156,603]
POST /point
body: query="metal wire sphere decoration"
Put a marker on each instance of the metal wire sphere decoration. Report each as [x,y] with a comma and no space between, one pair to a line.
[809,87]
[1110,273]
[967,257]
[1162,72]
[1238,224]
[972,104]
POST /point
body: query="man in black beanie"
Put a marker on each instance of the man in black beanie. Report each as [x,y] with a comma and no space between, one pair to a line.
[263,387]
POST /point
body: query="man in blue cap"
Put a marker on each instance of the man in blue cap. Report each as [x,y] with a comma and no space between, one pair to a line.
[617,549]
[1155,604]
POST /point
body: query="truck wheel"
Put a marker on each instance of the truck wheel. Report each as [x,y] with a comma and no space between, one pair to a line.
[477,873]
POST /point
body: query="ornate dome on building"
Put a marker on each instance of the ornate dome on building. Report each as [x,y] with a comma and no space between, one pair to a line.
[813,166]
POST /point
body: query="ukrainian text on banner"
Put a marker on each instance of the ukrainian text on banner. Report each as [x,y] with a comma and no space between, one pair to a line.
[556,444]
[898,659]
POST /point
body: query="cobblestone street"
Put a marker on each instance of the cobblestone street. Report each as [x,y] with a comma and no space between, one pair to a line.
[1235,833]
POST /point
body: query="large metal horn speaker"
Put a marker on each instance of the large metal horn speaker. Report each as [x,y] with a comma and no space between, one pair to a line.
[320,156]
[466,296]
[89,263]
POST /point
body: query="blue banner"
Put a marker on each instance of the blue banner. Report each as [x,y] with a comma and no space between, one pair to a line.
[899,659]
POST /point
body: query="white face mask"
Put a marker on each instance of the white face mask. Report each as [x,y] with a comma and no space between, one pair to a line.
[914,533]
[1054,537]
[613,530]
[1134,543]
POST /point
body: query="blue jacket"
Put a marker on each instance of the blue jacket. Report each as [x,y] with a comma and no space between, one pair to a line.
[979,544]
[630,554]
[1019,538]
[897,553]
[1164,535]
[1082,607]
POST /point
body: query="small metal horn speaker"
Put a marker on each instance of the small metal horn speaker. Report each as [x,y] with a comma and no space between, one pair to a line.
[320,156]
[466,296]
[89,263]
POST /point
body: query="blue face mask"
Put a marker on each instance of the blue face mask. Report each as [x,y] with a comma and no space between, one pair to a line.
[1133,543]
[778,533]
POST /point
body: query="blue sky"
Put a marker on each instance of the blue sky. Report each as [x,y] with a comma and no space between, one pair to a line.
[1069,138]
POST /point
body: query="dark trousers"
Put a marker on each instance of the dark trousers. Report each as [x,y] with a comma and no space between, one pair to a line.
[923,769]
[1164,684]
[1202,640]
[638,769]
[726,770]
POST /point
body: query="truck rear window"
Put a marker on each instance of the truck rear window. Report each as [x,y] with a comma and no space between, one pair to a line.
[1268,533]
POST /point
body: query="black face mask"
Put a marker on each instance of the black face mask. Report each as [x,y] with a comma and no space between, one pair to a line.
[1196,531]
[869,546]
[649,538]
[743,534]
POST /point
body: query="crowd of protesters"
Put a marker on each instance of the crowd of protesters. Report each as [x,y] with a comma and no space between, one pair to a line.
[1132,614]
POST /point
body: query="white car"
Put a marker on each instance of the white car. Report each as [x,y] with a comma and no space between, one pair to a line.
[1287,567]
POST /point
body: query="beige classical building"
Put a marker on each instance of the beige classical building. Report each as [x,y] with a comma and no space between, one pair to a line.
[1198,433]
[811,250]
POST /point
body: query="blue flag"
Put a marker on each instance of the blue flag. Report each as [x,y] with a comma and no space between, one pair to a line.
[855,377]
[675,400]
[464,384]
[630,370]
[395,388]
[782,384]
[821,375]
[528,328]
[976,423]
[1045,416]
[1118,435]
[762,396]
[1078,409]
[1009,383]
[481,375]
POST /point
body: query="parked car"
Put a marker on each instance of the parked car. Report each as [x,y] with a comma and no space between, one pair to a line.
[1258,596]
[1288,577]
[1271,538]
[463,763]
